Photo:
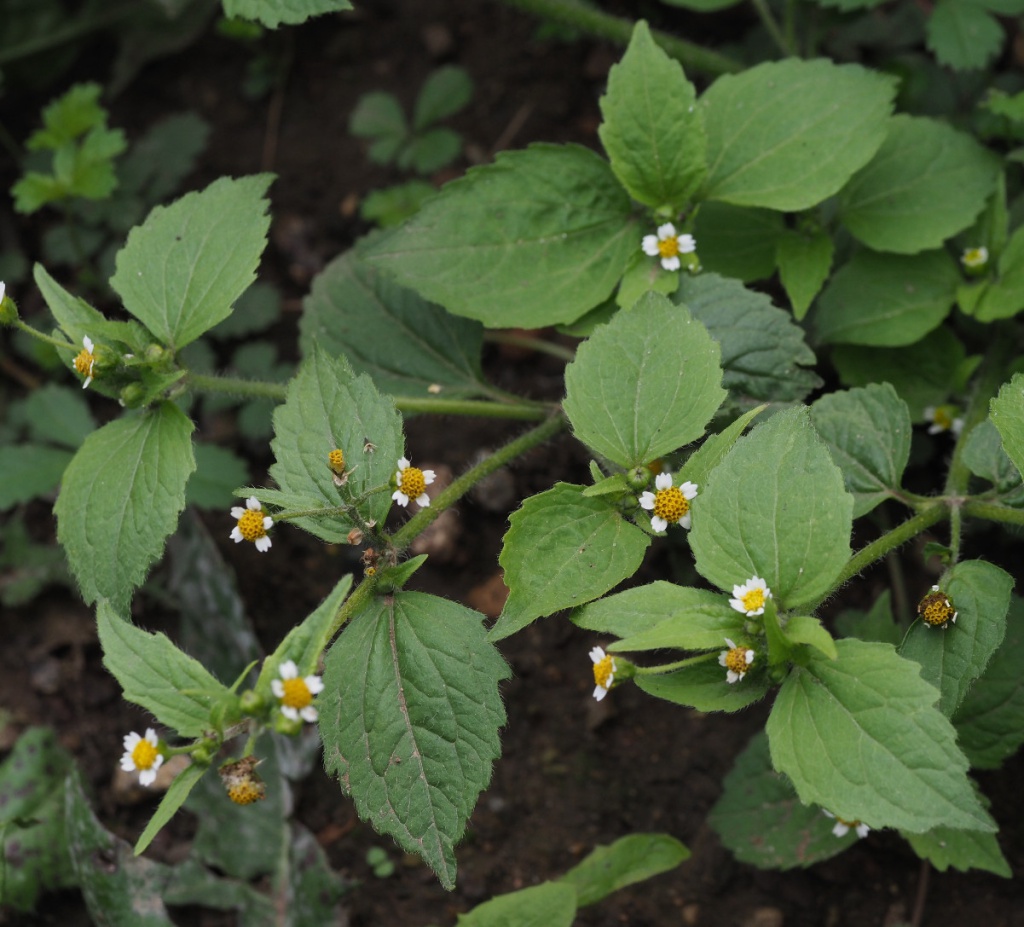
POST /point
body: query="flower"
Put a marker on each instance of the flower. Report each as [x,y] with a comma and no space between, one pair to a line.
[736,661]
[668,246]
[936,609]
[243,784]
[670,504]
[295,693]
[751,596]
[252,524]
[974,258]
[842,828]
[412,484]
[336,461]
[86,360]
[944,418]
[604,672]
[142,754]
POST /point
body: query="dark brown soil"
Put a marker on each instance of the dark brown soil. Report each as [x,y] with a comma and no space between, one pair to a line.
[574,773]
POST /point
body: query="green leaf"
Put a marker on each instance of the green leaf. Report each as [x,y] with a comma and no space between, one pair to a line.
[405,343]
[173,799]
[409,719]
[378,115]
[641,609]
[642,274]
[29,470]
[861,737]
[155,674]
[1003,297]
[761,821]
[805,629]
[878,624]
[867,432]
[712,452]
[984,456]
[274,12]
[1007,414]
[628,860]
[444,93]
[963,35]
[393,205]
[737,241]
[431,151]
[887,300]
[550,904]
[788,134]
[804,262]
[645,384]
[58,414]
[652,131]
[763,350]
[540,236]
[120,499]
[563,549]
[927,182]
[683,618]
[990,719]
[775,508]
[181,270]
[218,471]
[329,407]
[953,658]
[68,117]
[703,686]
[962,849]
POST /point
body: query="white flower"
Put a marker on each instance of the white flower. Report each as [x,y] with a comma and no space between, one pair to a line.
[842,828]
[670,504]
[668,246]
[295,693]
[412,484]
[3,290]
[974,258]
[142,754]
[86,360]
[750,597]
[736,661]
[604,672]
[252,524]
[943,418]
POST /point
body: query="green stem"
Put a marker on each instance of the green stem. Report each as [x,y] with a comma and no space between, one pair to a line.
[534,344]
[575,14]
[360,597]
[49,339]
[671,667]
[993,511]
[237,386]
[772,27]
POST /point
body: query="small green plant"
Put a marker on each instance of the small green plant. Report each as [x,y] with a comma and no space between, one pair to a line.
[377,859]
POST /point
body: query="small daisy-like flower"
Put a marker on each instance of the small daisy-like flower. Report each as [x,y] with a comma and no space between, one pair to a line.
[412,484]
[936,610]
[142,755]
[736,661]
[295,693]
[943,418]
[842,828]
[668,246]
[252,524]
[243,784]
[974,258]
[604,672]
[750,597]
[670,504]
[86,361]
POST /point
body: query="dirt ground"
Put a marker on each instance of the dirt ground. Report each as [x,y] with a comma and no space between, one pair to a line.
[574,773]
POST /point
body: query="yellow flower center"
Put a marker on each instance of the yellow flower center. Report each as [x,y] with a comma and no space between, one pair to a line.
[250,525]
[975,257]
[669,247]
[604,671]
[247,791]
[412,483]
[84,362]
[736,660]
[943,418]
[144,755]
[296,693]
[936,609]
[336,460]
[753,600]
[671,504]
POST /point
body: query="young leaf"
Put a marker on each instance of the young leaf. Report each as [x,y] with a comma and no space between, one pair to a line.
[867,432]
[963,35]
[927,182]
[155,674]
[550,904]
[700,620]
[775,508]
[181,270]
[540,236]
[804,262]
[962,849]
[652,131]
[274,12]
[628,860]
[788,134]
[563,549]
[805,629]
[379,116]
[885,300]
[173,799]
[444,93]
[120,499]
[642,609]
[644,384]
[404,343]
[861,737]
[329,407]
[703,686]
[1007,414]
[738,241]
[409,719]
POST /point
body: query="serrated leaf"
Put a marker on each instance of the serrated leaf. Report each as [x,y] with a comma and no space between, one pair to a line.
[645,384]
[963,35]
[652,130]
[444,93]
[926,183]
[628,860]
[1007,414]
[181,270]
[804,262]
[550,904]
[29,470]
[763,351]
[775,508]
[540,236]
[860,736]
[563,549]
[329,407]
[409,719]
[788,134]
[887,300]
[961,849]
[703,686]
[274,12]
[404,343]
[69,116]
[867,432]
[120,499]
[738,241]
[173,799]
[155,674]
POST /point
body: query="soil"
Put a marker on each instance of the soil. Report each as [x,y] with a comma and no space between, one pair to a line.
[574,773]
